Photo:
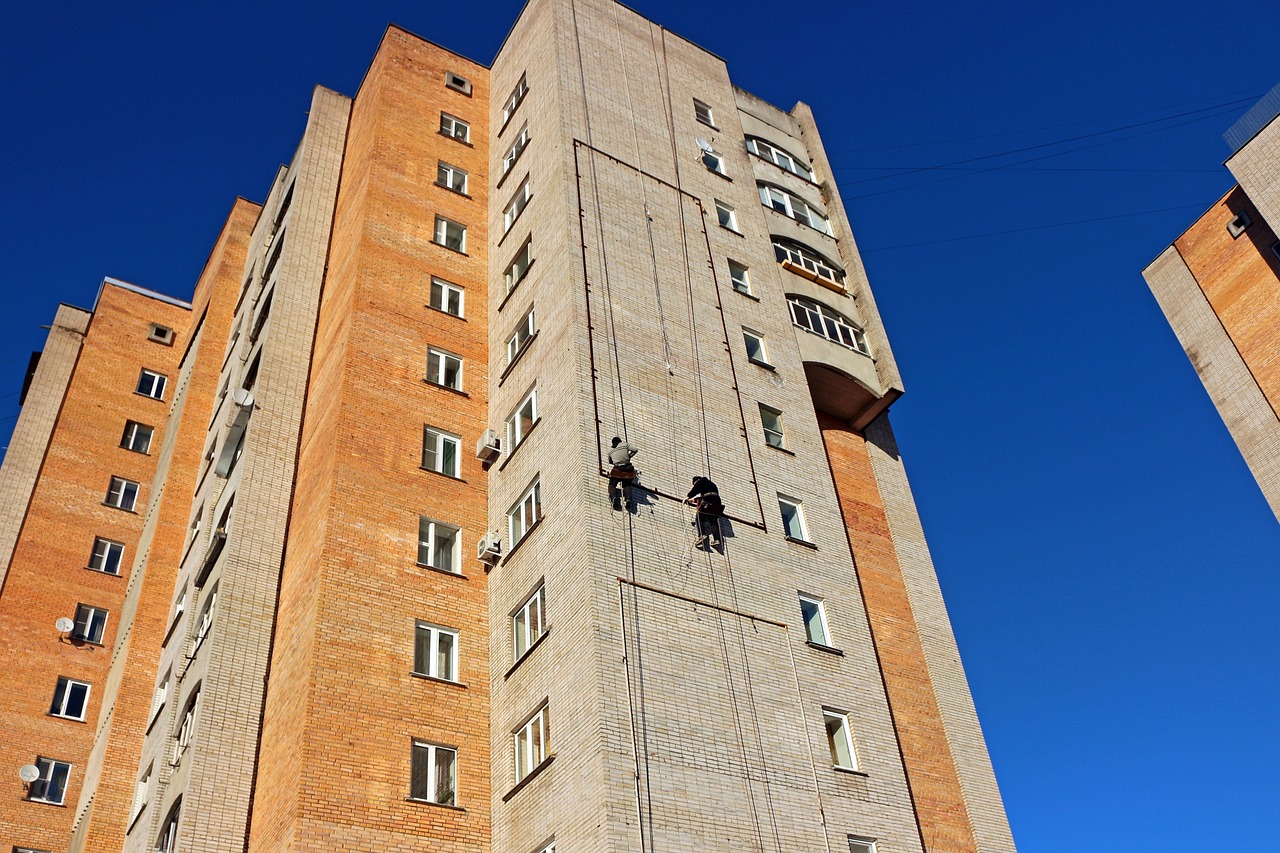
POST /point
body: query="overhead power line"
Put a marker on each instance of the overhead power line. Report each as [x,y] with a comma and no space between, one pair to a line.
[1011,169]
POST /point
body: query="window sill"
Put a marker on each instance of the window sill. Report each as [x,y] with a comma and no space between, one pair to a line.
[515,285]
[523,539]
[519,354]
[747,294]
[422,802]
[850,771]
[707,124]
[149,397]
[55,805]
[152,722]
[511,226]
[441,474]
[439,680]
[451,249]
[758,363]
[102,572]
[82,641]
[780,449]
[509,171]
[831,650]
[804,272]
[430,568]
[507,457]
[122,509]
[444,387]
[529,777]
[446,313]
[131,450]
[786,171]
[134,820]
[455,139]
[527,653]
[452,190]
[733,231]
[62,717]
[805,542]
[720,175]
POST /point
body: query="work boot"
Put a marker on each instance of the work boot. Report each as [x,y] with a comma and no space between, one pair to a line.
[617,504]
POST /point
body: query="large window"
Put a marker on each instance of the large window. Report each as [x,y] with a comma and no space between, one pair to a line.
[532,740]
[517,148]
[444,368]
[779,157]
[91,623]
[514,99]
[795,207]
[525,514]
[792,512]
[69,699]
[433,774]
[122,494]
[803,256]
[820,320]
[451,177]
[107,556]
[151,384]
[455,127]
[450,234]
[137,437]
[435,652]
[440,451]
[168,840]
[529,622]
[447,297]
[839,740]
[439,545]
[814,613]
[522,420]
[51,786]
[517,205]
[519,266]
[522,335]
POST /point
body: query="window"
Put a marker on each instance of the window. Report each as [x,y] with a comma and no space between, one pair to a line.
[529,622]
[523,334]
[451,178]
[839,741]
[205,623]
[187,728]
[446,297]
[793,518]
[814,612]
[161,334]
[713,160]
[160,697]
[122,494]
[517,148]
[726,216]
[91,622]
[794,207]
[1237,226]
[739,277]
[179,606]
[806,258]
[818,319]
[34,850]
[531,742]
[444,368]
[439,545]
[440,451]
[522,420]
[106,556]
[433,774]
[251,375]
[457,82]
[858,844]
[168,840]
[778,157]
[151,384]
[455,127]
[771,420]
[516,206]
[525,514]
[137,437]
[141,794]
[517,268]
[514,99]
[754,342]
[435,652]
[450,234]
[703,113]
[69,699]
[51,786]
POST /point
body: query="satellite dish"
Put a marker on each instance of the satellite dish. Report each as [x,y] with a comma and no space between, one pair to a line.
[28,773]
[242,398]
[705,145]
[64,624]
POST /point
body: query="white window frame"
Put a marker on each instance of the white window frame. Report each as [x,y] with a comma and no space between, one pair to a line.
[187,728]
[519,266]
[426,642]
[525,514]
[122,494]
[797,507]
[775,435]
[520,338]
[739,277]
[727,216]
[520,422]
[779,157]
[862,844]
[443,366]
[531,742]
[107,556]
[205,625]
[141,795]
[167,842]
[794,207]
[151,384]
[442,235]
[808,259]
[516,148]
[451,177]
[49,767]
[457,83]
[825,322]
[446,296]
[703,113]
[136,434]
[529,622]
[433,531]
[429,752]
[754,340]
[517,205]
[839,733]
[455,128]
[88,616]
[160,696]
[514,100]
[713,160]
[62,692]
[816,628]
[435,441]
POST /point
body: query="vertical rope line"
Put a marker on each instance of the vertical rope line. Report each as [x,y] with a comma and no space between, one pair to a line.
[813,765]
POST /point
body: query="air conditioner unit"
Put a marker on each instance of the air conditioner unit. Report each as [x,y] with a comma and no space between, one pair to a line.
[489,447]
[489,548]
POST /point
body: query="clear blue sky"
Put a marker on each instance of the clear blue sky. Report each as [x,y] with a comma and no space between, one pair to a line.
[1108,561]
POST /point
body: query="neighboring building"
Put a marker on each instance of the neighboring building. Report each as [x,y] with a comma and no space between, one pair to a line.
[375,597]
[1219,287]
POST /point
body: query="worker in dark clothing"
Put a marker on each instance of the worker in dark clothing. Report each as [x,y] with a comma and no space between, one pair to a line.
[706,498]
[621,474]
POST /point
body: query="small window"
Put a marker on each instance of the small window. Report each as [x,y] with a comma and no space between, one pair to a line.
[516,206]
[187,728]
[522,420]
[91,623]
[251,373]
[122,494]
[739,277]
[517,148]
[447,297]
[440,451]
[519,266]
[793,518]
[754,342]
[205,623]
[151,384]
[726,215]
[107,556]
[458,83]
[771,420]
[529,622]
[160,697]
[713,160]
[450,234]
[444,368]
[34,850]
[839,741]
[525,514]
[814,613]
[532,742]
[160,334]
[523,334]
[703,113]
[179,606]
[859,844]
[435,652]
[70,698]
[433,774]
[141,795]
[168,840]
[51,786]
[451,178]
[137,437]
[514,99]
[439,545]
[1237,226]
[455,128]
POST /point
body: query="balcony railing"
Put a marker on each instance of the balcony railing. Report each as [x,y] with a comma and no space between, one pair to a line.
[824,322]
[812,264]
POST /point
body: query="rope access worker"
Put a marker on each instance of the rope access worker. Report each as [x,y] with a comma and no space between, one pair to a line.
[706,498]
[622,474]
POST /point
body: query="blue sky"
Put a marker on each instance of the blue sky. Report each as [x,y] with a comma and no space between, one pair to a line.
[1107,559]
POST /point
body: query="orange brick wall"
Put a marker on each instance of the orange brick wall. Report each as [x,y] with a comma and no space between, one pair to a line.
[931,771]
[342,706]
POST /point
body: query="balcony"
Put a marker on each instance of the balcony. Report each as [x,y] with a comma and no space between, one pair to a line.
[837,360]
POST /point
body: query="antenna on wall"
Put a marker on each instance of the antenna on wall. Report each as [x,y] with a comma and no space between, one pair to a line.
[705,145]
[63,625]
[28,773]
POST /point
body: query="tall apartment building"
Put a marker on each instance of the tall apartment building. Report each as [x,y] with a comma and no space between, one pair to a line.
[374,596]
[1219,287]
